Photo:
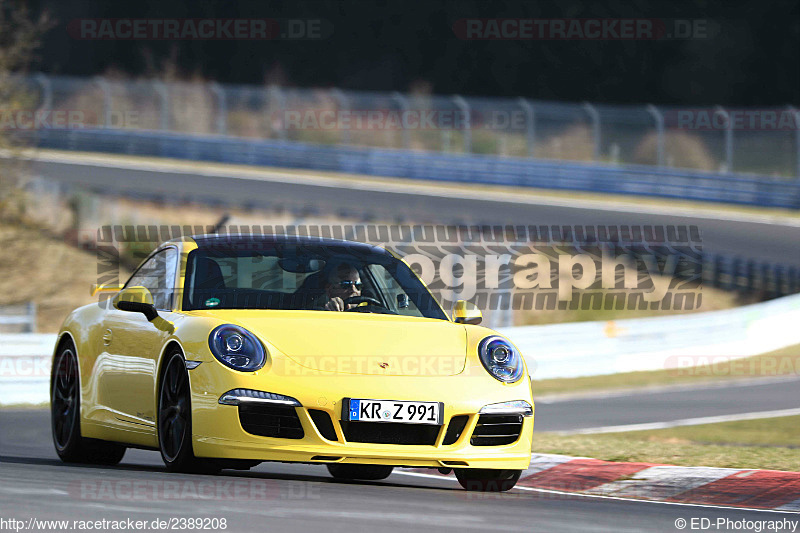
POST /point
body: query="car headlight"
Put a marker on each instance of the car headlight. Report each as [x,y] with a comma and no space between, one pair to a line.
[501,359]
[237,348]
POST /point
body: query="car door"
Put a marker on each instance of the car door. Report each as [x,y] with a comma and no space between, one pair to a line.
[133,345]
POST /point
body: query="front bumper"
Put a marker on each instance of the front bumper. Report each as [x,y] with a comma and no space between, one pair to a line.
[218,431]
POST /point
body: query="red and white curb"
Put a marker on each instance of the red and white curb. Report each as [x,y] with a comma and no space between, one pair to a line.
[725,487]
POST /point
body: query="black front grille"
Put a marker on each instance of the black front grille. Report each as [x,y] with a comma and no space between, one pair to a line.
[496,430]
[268,420]
[390,433]
[324,424]
[454,430]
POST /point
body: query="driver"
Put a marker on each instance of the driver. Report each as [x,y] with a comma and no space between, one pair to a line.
[343,282]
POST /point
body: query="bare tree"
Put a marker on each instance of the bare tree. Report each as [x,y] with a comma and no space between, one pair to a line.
[20,37]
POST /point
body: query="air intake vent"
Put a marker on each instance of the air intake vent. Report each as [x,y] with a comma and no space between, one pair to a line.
[268,420]
[390,433]
[496,430]
[454,430]
[324,424]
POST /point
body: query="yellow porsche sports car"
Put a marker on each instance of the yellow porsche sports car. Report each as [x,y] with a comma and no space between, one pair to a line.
[226,351]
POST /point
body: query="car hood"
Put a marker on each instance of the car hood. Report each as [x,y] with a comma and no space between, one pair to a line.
[359,343]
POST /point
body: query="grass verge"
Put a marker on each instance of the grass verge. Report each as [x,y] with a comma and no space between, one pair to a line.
[783,362]
[772,444]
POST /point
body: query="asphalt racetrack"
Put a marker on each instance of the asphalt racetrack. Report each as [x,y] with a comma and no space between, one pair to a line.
[747,238]
[668,404]
[285,497]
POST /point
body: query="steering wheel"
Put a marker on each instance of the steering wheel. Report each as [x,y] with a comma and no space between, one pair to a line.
[355,300]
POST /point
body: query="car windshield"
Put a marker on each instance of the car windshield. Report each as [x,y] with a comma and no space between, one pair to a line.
[305,277]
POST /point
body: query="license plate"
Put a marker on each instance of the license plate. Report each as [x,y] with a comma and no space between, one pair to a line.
[360,410]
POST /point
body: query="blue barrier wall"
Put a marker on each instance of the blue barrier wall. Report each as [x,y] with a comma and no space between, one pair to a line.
[632,180]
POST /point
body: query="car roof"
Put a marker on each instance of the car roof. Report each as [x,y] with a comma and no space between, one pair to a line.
[234,240]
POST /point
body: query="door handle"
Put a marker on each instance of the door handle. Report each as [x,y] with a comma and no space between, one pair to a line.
[107,337]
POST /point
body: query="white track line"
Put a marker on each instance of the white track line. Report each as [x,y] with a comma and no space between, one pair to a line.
[582,495]
[681,422]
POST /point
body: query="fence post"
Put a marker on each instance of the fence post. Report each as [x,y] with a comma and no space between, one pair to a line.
[659,118]
[595,118]
[796,139]
[344,104]
[750,274]
[163,93]
[31,317]
[47,91]
[728,137]
[530,134]
[106,88]
[794,280]
[402,102]
[718,269]
[221,122]
[464,107]
[274,91]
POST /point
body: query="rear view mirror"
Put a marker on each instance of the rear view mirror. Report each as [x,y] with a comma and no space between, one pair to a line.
[105,288]
[137,300]
[301,265]
[466,313]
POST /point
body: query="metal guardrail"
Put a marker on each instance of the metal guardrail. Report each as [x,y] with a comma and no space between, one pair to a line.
[19,315]
[514,171]
[679,341]
[25,360]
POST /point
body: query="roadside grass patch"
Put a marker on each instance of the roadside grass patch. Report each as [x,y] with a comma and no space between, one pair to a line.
[772,444]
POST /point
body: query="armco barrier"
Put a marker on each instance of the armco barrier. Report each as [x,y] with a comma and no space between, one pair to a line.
[25,360]
[510,171]
[597,348]
[559,350]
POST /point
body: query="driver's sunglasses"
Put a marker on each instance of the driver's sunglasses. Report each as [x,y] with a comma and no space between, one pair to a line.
[346,284]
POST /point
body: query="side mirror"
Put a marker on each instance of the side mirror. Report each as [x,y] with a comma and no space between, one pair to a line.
[105,288]
[137,300]
[466,313]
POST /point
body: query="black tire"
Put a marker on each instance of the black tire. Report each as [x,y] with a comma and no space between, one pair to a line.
[175,419]
[487,479]
[65,415]
[360,472]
